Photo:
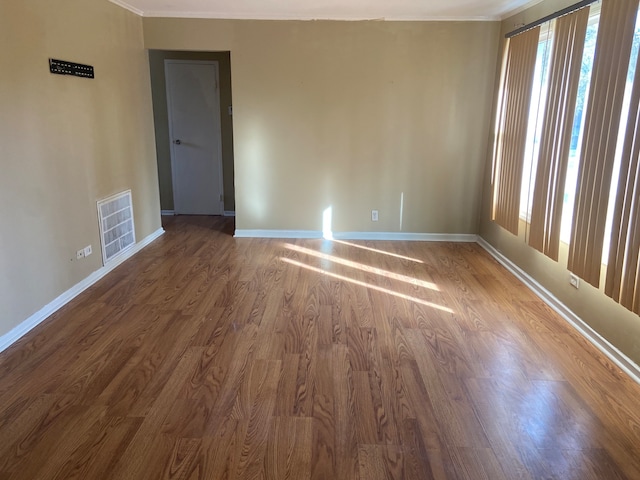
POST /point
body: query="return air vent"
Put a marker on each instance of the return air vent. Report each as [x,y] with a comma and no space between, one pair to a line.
[117,232]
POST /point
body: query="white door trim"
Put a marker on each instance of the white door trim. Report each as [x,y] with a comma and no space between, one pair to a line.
[215,63]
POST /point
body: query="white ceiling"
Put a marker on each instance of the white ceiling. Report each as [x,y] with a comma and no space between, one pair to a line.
[329,9]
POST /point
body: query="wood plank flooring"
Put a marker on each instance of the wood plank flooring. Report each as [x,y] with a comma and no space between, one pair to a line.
[209,357]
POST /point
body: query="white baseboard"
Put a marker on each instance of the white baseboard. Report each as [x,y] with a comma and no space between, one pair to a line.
[391,236]
[411,237]
[34,320]
[277,234]
[229,213]
[616,356]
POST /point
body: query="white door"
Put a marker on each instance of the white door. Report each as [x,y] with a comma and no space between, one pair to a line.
[193,102]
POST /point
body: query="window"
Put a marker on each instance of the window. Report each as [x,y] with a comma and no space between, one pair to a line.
[534,124]
[511,127]
[626,103]
[568,142]
[536,115]
[604,113]
[551,130]
[578,124]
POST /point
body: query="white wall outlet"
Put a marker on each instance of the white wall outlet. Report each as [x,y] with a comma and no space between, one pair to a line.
[87,250]
[374,215]
[574,280]
[80,254]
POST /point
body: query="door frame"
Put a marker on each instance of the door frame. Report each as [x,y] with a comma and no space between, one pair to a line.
[217,132]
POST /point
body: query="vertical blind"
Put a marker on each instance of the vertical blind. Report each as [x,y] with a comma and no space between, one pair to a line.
[511,141]
[564,75]
[623,272]
[605,139]
[602,122]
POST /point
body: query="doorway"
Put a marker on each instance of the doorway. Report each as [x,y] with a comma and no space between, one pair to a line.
[183,188]
[193,107]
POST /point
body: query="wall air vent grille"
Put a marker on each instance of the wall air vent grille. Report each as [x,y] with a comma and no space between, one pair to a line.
[117,232]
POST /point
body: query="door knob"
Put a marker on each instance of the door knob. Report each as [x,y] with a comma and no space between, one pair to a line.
[177,142]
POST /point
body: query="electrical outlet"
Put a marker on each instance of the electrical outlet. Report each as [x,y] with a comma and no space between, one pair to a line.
[80,254]
[87,250]
[374,215]
[574,280]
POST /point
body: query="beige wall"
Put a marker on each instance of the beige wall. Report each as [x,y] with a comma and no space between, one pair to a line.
[158,89]
[66,142]
[353,115]
[613,322]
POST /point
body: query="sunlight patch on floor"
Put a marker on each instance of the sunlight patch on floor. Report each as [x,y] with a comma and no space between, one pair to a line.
[366,285]
[363,267]
[396,255]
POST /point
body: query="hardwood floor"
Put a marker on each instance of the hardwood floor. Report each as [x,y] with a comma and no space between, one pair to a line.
[209,357]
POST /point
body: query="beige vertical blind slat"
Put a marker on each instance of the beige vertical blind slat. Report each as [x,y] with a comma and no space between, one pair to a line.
[623,270]
[518,82]
[564,75]
[602,121]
